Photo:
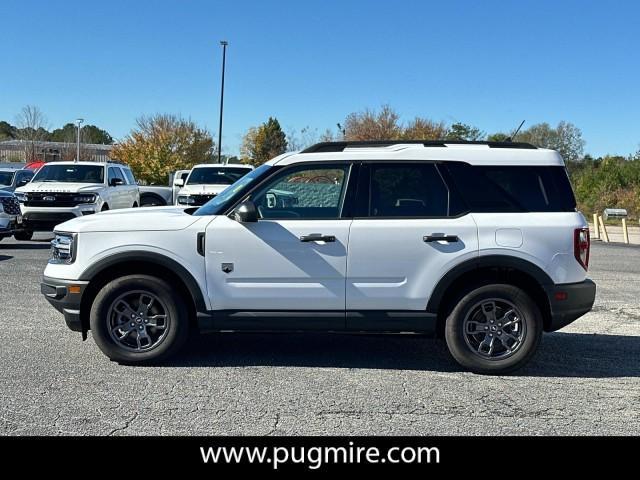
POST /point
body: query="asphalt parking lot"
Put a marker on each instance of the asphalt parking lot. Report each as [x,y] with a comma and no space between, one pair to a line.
[584,380]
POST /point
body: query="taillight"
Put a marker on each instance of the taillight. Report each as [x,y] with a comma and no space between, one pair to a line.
[581,245]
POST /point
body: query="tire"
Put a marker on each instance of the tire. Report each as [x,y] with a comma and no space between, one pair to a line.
[104,208]
[476,343]
[135,205]
[154,344]
[24,236]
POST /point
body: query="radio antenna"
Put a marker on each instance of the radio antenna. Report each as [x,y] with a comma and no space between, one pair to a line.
[513,135]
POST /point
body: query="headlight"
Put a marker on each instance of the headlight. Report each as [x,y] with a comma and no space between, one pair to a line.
[85,198]
[22,197]
[63,248]
[186,200]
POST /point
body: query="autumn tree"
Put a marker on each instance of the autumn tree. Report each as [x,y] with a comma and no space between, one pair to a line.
[424,129]
[161,144]
[372,125]
[264,142]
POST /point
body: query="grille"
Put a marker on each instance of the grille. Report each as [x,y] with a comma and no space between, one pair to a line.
[11,205]
[44,199]
[201,199]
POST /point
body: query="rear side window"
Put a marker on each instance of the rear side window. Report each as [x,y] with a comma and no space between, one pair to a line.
[407,190]
[496,189]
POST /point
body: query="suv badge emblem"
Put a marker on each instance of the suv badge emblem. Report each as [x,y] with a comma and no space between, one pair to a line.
[49,199]
[227,267]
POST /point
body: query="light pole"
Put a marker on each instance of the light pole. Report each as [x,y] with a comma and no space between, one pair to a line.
[78,122]
[224,44]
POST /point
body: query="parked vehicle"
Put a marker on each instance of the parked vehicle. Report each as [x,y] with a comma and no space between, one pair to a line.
[64,190]
[208,180]
[10,216]
[159,195]
[479,243]
[11,178]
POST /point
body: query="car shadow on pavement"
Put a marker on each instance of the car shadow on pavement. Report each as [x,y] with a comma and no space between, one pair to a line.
[561,354]
[27,246]
[5,257]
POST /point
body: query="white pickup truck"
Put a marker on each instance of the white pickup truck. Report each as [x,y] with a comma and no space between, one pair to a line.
[207,180]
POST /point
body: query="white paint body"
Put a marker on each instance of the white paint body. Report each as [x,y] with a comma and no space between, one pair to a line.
[115,197]
[374,264]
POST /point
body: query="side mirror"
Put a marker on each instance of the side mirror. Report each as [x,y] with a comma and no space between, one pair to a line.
[178,182]
[246,212]
[115,182]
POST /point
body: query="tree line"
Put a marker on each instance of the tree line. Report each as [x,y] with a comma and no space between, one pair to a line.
[162,143]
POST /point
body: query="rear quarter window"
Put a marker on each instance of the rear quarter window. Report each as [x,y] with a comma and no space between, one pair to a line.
[498,189]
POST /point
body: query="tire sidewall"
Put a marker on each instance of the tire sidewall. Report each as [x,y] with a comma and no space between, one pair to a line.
[176,310]
[462,353]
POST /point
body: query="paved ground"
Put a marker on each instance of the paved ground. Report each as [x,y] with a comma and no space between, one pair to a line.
[585,379]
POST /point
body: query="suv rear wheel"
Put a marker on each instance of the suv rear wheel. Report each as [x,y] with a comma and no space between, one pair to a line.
[139,319]
[24,235]
[494,329]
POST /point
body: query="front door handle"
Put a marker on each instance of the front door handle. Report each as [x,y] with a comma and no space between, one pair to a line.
[440,238]
[318,237]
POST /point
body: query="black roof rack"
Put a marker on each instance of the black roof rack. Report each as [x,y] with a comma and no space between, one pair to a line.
[340,146]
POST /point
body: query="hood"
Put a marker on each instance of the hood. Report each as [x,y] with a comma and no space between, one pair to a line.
[60,187]
[132,219]
[5,193]
[202,189]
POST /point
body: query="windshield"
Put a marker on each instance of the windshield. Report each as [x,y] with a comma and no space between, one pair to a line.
[6,178]
[70,173]
[230,194]
[216,176]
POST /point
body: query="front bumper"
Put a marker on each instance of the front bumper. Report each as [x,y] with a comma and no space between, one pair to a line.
[60,296]
[46,218]
[569,302]
[9,225]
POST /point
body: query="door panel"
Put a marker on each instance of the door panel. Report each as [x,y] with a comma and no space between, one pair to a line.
[272,268]
[391,267]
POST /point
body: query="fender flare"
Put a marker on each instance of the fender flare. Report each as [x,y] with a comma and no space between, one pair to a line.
[151,257]
[487,261]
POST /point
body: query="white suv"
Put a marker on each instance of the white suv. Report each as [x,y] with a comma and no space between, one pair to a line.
[64,190]
[208,180]
[478,242]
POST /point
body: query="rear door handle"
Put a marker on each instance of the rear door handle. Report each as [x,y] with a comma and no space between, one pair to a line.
[440,238]
[318,238]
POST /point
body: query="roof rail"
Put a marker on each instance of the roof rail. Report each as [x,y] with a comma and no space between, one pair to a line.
[340,146]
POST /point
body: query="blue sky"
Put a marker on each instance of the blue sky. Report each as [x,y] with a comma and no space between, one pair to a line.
[310,63]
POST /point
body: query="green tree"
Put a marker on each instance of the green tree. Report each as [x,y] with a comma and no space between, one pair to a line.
[566,138]
[88,134]
[161,144]
[7,131]
[264,142]
[463,131]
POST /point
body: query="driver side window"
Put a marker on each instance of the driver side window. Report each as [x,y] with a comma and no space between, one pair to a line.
[307,192]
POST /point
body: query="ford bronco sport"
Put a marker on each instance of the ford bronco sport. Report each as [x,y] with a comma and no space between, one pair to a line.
[477,242]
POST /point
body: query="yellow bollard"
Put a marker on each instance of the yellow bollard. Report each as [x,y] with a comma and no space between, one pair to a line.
[605,235]
[625,231]
[596,230]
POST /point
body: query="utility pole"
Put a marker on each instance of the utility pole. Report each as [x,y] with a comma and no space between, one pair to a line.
[224,44]
[78,122]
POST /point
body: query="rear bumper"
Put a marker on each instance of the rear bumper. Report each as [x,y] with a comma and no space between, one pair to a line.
[57,293]
[579,300]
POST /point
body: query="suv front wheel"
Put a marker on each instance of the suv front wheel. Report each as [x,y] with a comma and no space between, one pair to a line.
[494,329]
[139,319]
